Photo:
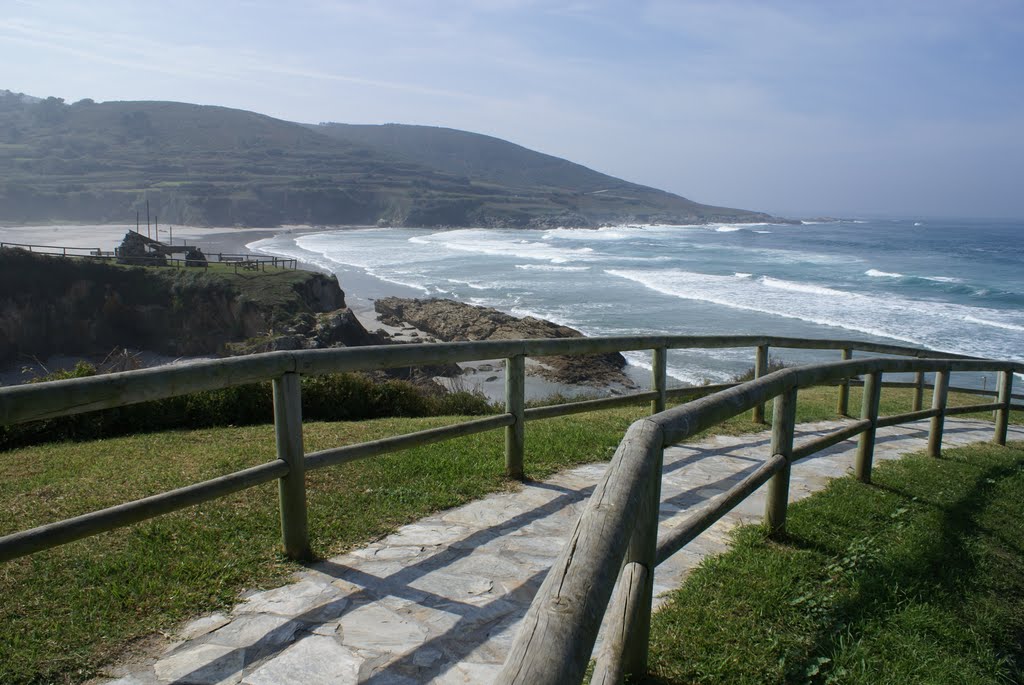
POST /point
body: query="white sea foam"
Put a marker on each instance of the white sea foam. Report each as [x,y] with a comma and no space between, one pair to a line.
[506,269]
[728,229]
[934,324]
[497,244]
[281,246]
[995,324]
[691,374]
[551,267]
[474,286]
[607,233]
[808,288]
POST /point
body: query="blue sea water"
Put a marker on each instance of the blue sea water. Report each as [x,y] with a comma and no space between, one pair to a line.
[950,285]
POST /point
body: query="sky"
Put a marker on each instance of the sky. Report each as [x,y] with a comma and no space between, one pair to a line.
[861,107]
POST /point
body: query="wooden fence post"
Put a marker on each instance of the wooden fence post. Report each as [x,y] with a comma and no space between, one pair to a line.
[760,368]
[938,402]
[515,404]
[783,427]
[628,632]
[659,378]
[292,487]
[1003,413]
[918,391]
[843,405]
[869,411]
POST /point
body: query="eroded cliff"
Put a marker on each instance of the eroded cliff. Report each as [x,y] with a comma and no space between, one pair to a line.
[50,305]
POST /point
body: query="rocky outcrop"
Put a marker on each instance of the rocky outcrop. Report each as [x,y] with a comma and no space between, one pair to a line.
[449,320]
[52,306]
[338,328]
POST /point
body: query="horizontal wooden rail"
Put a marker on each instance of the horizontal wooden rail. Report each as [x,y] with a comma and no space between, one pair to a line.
[928,386]
[972,408]
[814,446]
[897,419]
[59,398]
[696,391]
[557,635]
[54,534]
[343,455]
[695,416]
[63,249]
[720,505]
[568,408]
[34,401]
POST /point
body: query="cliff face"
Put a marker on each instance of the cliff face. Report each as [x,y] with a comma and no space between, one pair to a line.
[51,306]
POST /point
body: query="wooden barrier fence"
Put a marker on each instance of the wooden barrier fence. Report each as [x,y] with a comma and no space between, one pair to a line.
[246,262]
[555,643]
[73,396]
[613,539]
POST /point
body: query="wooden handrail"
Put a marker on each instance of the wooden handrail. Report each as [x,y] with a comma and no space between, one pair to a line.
[559,630]
[74,396]
[555,641]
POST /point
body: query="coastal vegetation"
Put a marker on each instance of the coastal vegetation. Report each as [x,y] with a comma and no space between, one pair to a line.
[214,166]
[54,305]
[121,588]
[333,397]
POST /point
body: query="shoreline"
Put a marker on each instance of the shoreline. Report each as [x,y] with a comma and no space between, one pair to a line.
[360,288]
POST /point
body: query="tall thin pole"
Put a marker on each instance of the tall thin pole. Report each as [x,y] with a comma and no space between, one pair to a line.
[147,219]
[136,221]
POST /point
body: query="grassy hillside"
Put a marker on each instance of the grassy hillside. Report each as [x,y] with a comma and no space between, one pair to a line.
[203,165]
[485,159]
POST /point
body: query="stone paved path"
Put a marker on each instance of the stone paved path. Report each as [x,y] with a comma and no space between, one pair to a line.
[439,601]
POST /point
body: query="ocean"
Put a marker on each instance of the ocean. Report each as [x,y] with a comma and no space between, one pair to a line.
[949,285]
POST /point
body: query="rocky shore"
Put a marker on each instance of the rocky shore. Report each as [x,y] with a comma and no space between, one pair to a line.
[450,321]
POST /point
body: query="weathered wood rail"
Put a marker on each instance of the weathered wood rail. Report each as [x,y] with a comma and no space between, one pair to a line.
[616,534]
[247,262]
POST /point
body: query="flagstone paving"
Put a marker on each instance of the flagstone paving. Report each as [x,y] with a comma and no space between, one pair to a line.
[439,601]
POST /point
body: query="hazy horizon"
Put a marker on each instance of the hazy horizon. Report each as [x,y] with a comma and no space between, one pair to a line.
[911,109]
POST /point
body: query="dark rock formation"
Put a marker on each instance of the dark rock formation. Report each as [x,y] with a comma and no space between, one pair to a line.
[52,306]
[449,320]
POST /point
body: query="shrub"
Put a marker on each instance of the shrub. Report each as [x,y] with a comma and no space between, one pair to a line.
[334,397]
[774,364]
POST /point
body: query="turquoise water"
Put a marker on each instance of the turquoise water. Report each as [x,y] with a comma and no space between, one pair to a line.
[950,285]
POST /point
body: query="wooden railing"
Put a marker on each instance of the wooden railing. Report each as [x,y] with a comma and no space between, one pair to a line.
[74,396]
[246,262]
[616,537]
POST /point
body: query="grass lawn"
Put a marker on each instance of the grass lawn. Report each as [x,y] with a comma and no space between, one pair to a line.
[918,578]
[74,608]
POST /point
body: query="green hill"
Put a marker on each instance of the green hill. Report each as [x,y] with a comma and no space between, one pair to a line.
[214,166]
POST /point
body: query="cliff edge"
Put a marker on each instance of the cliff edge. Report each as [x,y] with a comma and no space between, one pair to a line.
[51,305]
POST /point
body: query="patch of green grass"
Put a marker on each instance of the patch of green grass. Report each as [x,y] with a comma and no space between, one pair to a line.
[917,578]
[77,607]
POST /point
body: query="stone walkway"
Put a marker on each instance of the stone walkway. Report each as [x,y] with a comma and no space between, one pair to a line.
[439,601]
